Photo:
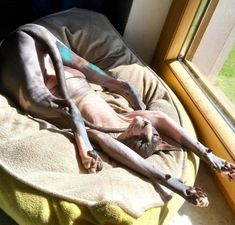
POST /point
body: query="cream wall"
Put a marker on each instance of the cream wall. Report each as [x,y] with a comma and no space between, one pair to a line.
[144,26]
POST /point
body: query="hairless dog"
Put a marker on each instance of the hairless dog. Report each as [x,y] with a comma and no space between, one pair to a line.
[49,81]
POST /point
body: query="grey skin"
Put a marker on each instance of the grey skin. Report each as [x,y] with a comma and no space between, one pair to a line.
[26,79]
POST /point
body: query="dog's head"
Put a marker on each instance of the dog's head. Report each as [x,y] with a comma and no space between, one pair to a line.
[146,148]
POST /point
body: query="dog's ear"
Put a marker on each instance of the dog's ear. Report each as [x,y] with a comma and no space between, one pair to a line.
[164,146]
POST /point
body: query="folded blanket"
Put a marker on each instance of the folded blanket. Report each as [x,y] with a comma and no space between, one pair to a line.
[46,159]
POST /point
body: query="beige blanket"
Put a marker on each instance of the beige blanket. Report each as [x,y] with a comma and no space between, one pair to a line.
[46,159]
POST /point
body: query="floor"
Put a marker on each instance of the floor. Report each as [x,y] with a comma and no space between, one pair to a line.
[217,213]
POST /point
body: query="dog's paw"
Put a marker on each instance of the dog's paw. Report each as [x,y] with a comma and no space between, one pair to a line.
[96,164]
[220,165]
[91,161]
[228,171]
[196,196]
[89,158]
[130,93]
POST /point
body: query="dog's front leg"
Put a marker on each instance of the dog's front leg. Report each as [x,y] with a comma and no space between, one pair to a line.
[97,76]
[165,125]
[132,160]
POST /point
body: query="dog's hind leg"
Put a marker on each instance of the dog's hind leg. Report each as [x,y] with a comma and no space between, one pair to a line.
[97,76]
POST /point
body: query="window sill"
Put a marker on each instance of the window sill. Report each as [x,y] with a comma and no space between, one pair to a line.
[211,128]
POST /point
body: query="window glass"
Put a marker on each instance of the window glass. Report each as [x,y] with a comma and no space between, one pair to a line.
[209,52]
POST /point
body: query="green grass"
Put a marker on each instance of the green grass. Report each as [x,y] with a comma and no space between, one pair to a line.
[226,78]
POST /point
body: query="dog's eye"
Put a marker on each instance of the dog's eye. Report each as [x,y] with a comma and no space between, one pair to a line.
[142,143]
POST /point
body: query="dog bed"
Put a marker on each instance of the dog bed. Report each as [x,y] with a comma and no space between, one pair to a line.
[42,181]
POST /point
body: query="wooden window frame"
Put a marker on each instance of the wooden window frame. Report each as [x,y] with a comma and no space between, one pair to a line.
[211,128]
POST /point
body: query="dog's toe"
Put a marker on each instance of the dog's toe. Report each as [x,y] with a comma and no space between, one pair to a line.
[197,197]
[96,164]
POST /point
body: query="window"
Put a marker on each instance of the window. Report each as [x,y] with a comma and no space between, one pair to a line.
[209,49]
[193,65]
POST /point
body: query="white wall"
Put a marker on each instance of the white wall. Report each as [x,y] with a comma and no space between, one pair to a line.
[144,26]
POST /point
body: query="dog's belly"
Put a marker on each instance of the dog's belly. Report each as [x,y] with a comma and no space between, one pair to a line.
[76,82]
[92,107]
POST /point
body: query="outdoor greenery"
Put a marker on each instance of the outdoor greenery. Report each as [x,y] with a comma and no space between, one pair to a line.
[226,78]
